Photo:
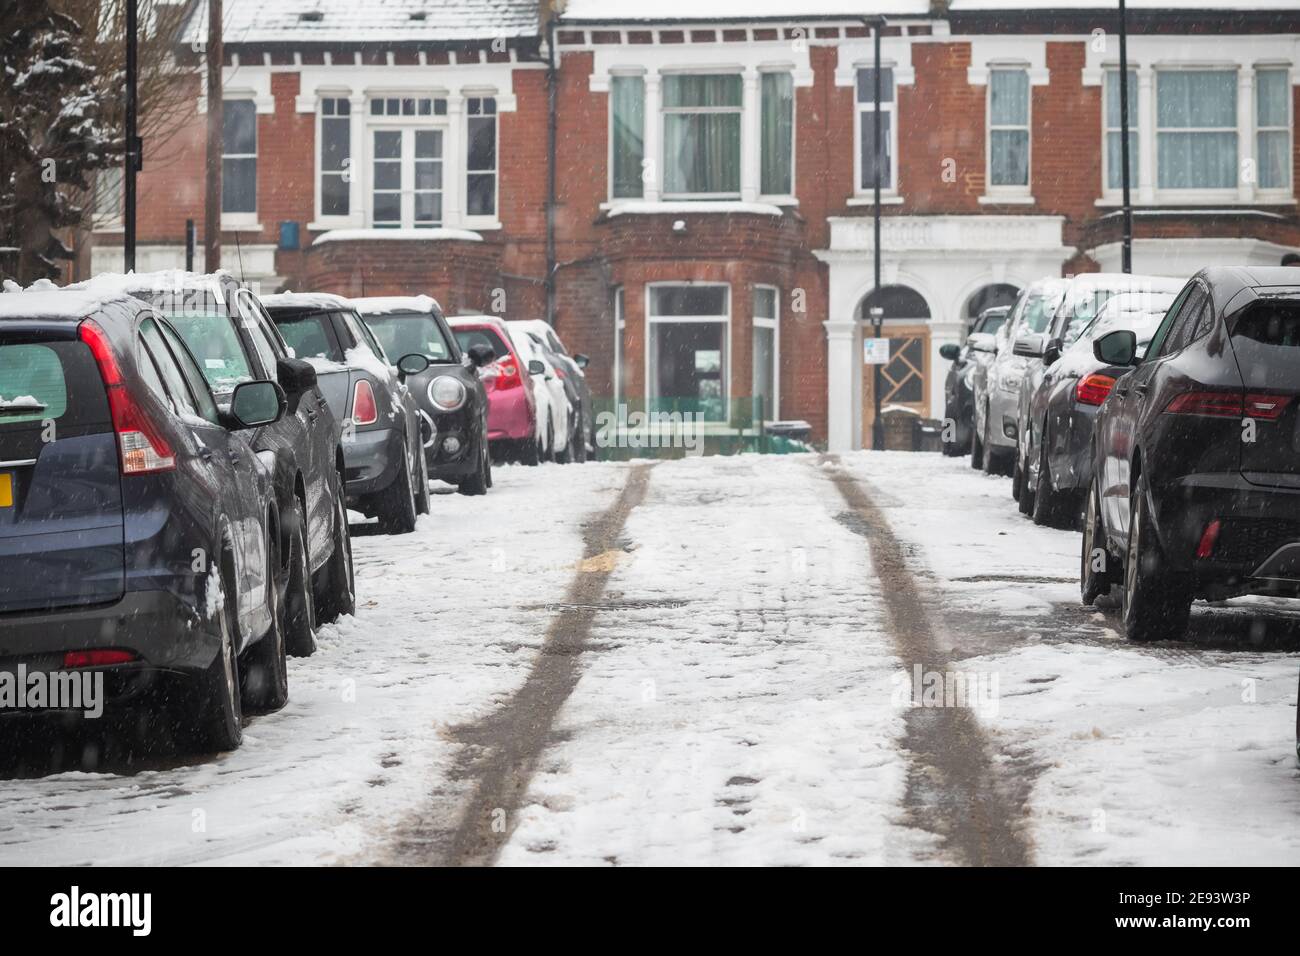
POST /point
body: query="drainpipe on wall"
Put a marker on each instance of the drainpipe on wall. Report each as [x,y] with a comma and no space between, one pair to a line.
[552,84]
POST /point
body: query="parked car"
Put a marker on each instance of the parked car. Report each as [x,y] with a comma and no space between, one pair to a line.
[996,386]
[555,414]
[138,526]
[978,349]
[1196,479]
[450,392]
[573,369]
[1057,431]
[383,437]
[512,405]
[1084,297]
[234,341]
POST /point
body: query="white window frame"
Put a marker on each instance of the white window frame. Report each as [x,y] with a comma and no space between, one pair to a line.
[860,109]
[996,193]
[490,220]
[662,120]
[639,74]
[1134,128]
[1211,194]
[777,199]
[111,222]
[443,123]
[244,220]
[1283,193]
[652,320]
[774,324]
[335,221]
[408,133]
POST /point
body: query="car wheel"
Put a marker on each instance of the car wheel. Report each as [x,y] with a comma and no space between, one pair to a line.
[976,448]
[478,483]
[217,721]
[988,459]
[578,443]
[531,453]
[1047,506]
[397,508]
[1157,605]
[264,674]
[1017,478]
[422,499]
[1094,581]
[338,594]
[550,442]
[299,602]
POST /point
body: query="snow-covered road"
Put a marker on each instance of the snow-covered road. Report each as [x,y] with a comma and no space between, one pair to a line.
[735,696]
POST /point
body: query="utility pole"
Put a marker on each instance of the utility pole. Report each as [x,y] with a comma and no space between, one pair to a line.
[1127,239]
[877,314]
[132,159]
[212,175]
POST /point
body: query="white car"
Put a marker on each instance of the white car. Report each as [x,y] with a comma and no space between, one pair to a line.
[554,414]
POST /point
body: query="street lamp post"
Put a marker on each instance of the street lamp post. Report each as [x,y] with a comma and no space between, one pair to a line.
[1126,245]
[132,159]
[877,426]
[877,314]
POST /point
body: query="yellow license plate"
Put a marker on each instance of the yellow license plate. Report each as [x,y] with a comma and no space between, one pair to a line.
[6,491]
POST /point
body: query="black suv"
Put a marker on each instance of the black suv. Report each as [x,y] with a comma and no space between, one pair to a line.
[1196,477]
[139,534]
[234,341]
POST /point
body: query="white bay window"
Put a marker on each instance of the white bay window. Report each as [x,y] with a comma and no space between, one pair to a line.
[1196,129]
[688,357]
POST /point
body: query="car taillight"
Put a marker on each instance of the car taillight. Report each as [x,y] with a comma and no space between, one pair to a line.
[144,450]
[1094,389]
[1209,539]
[507,373]
[1268,408]
[364,409]
[96,658]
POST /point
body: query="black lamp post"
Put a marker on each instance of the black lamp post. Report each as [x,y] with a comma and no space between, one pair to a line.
[1126,247]
[877,314]
[132,159]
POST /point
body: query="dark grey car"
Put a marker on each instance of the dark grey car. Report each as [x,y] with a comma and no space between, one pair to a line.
[383,437]
[138,526]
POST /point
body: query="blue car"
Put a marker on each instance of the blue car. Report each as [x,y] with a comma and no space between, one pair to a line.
[138,528]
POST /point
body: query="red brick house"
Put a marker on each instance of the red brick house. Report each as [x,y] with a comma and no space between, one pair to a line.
[711,243]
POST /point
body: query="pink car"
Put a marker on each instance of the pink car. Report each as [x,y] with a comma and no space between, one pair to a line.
[512,409]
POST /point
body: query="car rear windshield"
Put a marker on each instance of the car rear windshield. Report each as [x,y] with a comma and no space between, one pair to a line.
[1039,309]
[215,344]
[1269,327]
[55,382]
[989,324]
[468,338]
[406,332]
[309,334]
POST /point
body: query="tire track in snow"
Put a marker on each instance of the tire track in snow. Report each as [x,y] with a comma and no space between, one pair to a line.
[955,788]
[501,752]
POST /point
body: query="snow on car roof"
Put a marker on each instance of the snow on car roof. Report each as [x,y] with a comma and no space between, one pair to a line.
[128,283]
[305,300]
[390,304]
[360,21]
[631,10]
[47,303]
[475,320]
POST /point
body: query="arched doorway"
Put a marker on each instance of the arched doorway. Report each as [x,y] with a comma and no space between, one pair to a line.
[989,297]
[905,378]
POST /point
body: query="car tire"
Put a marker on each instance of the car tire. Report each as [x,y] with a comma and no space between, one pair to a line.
[530,453]
[976,448]
[423,503]
[264,672]
[396,505]
[1047,504]
[338,589]
[1156,604]
[1092,582]
[550,442]
[1017,478]
[578,443]
[299,601]
[479,482]
[988,457]
[216,723]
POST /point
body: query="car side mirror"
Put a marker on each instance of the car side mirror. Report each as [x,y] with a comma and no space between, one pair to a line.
[1028,346]
[1051,352]
[982,342]
[254,404]
[412,363]
[949,353]
[481,354]
[536,367]
[1118,348]
[295,375]
[580,360]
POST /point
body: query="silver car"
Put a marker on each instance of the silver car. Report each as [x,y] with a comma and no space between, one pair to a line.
[996,387]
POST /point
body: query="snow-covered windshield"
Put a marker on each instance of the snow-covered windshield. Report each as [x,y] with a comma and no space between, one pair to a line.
[406,332]
[309,335]
[212,339]
[1038,311]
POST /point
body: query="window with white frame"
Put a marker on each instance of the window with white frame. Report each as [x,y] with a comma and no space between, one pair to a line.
[866,131]
[1114,130]
[626,136]
[1008,126]
[107,198]
[335,156]
[1196,129]
[766,355]
[687,327]
[701,134]
[239,158]
[407,138]
[481,156]
[776,177]
[1273,128]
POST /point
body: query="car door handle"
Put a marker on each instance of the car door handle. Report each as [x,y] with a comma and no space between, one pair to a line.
[1141,390]
[205,454]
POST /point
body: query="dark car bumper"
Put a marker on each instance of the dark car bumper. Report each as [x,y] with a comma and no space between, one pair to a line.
[1258,527]
[454,451]
[372,459]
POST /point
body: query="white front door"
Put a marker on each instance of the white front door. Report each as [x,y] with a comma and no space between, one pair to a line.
[406,177]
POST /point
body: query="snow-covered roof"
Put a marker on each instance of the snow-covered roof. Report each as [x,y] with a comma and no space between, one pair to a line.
[396,235]
[305,300]
[363,21]
[628,11]
[1173,6]
[129,283]
[390,304]
[54,304]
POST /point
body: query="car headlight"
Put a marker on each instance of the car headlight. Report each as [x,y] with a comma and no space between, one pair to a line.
[446,393]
